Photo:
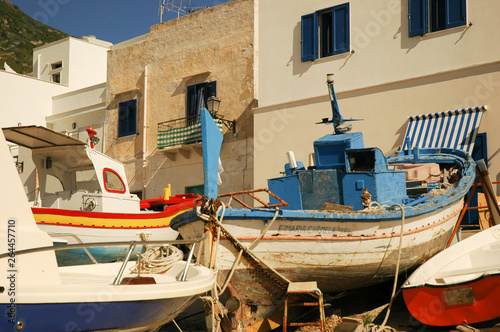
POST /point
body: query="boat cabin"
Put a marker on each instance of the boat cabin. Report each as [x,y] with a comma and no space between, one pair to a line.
[345,173]
[71,175]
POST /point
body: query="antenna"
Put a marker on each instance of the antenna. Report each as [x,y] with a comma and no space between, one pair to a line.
[179,7]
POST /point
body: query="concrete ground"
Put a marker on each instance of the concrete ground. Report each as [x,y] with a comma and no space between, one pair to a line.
[367,305]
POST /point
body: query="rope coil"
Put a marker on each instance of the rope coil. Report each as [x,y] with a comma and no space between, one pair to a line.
[157,260]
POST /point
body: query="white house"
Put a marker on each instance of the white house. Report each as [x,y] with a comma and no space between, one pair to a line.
[66,91]
[391,59]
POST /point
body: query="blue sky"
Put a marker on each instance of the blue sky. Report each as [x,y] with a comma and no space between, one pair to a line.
[109,20]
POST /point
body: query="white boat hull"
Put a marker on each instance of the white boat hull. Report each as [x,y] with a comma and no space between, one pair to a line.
[87,300]
[338,254]
[460,285]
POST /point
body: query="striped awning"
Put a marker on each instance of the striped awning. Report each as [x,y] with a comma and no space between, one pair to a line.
[451,129]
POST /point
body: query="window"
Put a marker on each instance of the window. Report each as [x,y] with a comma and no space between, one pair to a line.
[325,33]
[127,118]
[87,180]
[53,184]
[200,190]
[197,97]
[56,65]
[55,71]
[56,78]
[426,16]
[113,182]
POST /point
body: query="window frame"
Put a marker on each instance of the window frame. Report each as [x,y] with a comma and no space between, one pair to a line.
[105,181]
[423,16]
[192,96]
[315,41]
[125,125]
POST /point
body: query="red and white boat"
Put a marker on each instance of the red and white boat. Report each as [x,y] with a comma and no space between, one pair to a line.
[460,285]
[79,194]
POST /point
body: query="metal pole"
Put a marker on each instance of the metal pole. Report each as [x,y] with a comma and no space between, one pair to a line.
[186,269]
[125,261]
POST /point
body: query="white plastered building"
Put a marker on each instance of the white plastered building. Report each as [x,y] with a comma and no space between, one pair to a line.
[391,59]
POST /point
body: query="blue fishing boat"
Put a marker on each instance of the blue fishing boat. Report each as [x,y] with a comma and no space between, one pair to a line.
[351,219]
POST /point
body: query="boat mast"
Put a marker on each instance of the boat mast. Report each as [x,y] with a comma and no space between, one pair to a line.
[339,125]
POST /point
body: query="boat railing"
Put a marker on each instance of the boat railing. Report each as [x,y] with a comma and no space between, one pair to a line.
[233,196]
[131,244]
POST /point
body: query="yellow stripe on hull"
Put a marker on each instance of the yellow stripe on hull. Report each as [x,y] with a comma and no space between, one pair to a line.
[149,220]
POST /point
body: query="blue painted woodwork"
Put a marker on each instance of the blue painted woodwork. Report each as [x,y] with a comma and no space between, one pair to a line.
[307,189]
[447,14]
[443,14]
[417,17]
[288,169]
[479,152]
[309,35]
[386,188]
[197,96]
[335,32]
[127,118]
[288,189]
[330,149]
[340,33]
[92,316]
[367,168]
[341,176]
[319,187]
[212,142]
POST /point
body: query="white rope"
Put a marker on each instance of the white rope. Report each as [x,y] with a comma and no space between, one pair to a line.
[383,327]
[157,259]
[218,311]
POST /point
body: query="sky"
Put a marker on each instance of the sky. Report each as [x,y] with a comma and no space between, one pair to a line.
[110,20]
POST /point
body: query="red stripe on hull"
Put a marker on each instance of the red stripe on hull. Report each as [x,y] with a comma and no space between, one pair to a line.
[429,306]
[169,210]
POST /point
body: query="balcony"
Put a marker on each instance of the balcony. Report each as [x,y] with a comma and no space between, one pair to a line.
[179,132]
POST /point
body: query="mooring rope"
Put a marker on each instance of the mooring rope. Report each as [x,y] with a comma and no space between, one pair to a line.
[250,247]
[218,310]
[157,260]
[383,327]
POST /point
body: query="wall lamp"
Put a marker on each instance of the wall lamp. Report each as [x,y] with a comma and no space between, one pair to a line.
[213,104]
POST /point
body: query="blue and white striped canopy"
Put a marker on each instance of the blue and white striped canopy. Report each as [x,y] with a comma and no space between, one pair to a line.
[451,129]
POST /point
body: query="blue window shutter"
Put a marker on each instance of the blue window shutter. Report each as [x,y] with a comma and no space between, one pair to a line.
[455,13]
[309,37]
[127,118]
[417,17]
[132,117]
[340,17]
[191,101]
[122,119]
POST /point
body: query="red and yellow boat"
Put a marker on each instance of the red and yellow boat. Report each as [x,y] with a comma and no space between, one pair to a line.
[80,195]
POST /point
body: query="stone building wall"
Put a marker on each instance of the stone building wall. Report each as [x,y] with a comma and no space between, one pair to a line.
[216,44]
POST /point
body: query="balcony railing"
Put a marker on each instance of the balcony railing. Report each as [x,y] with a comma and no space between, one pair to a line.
[181,131]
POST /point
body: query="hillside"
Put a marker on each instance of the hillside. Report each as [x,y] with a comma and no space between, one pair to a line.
[19,34]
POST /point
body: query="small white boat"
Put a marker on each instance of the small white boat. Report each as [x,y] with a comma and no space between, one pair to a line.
[37,295]
[460,285]
[81,195]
